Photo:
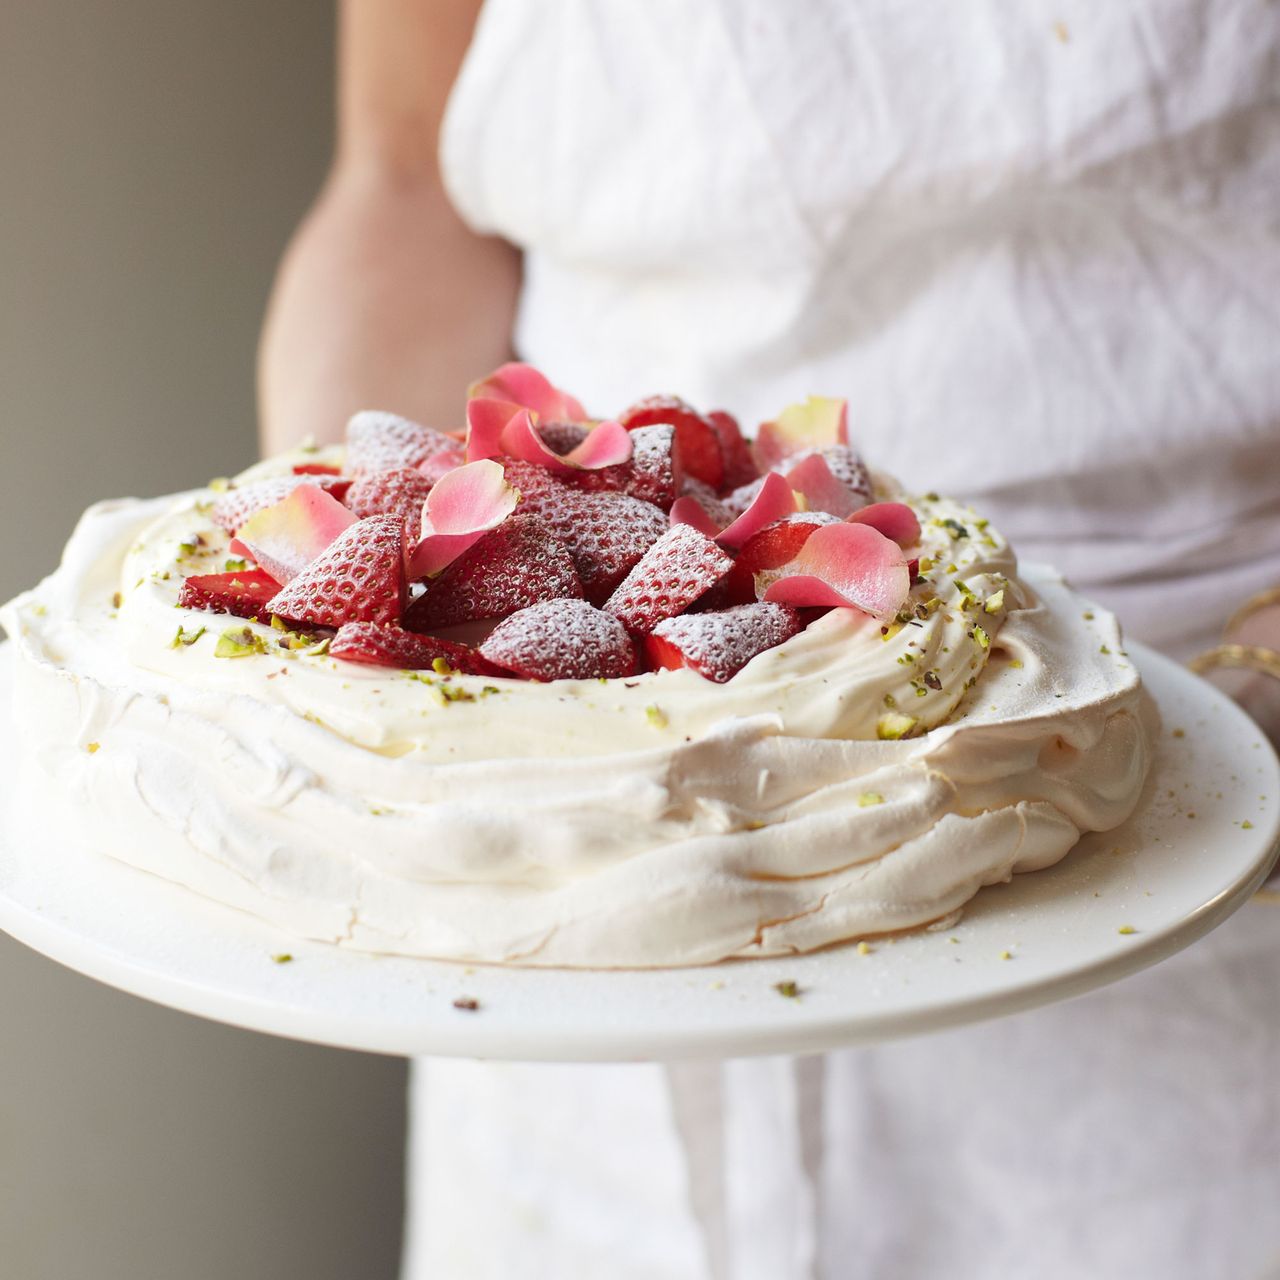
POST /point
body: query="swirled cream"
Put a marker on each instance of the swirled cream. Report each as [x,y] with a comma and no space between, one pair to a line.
[856,779]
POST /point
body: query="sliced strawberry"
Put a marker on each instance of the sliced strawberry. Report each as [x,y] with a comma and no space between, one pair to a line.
[519,563]
[563,437]
[530,479]
[390,646]
[606,533]
[244,594]
[705,496]
[233,508]
[315,469]
[379,441]
[718,645]
[673,573]
[739,465]
[736,501]
[359,578]
[768,550]
[700,453]
[652,474]
[561,640]
[399,492]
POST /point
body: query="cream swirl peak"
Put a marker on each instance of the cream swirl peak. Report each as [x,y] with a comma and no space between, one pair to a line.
[804,776]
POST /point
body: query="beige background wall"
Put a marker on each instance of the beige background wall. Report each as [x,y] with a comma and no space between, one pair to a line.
[154,156]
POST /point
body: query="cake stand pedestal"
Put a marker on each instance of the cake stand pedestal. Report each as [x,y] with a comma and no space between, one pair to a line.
[1122,900]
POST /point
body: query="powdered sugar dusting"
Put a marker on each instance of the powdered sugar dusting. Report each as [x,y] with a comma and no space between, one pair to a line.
[674,572]
[719,644]
[561,640]
[378,441]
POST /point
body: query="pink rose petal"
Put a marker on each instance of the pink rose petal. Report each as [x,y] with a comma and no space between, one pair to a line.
[690,511]
[283,539]
[486,421]
[845,566]
[446,460]
[774,501]
[821,489]
[463,505]
[818,421]
[895,520]
[522,384]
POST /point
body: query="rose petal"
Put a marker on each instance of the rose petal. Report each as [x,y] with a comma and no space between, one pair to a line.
[446,460]
[821,489]
[895,520]
[774,501]
[285,538]
[845,565]
[819,420]
[691,511]
[522,384]
[463,505]
[486,421]
[469,499]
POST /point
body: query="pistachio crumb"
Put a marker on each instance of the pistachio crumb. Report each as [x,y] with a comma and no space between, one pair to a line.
[92,747]
[788,989]
[1126,929]
[869,798]
[656,716]
[282,958]
[1246,825]
[864,948]
[1006,955]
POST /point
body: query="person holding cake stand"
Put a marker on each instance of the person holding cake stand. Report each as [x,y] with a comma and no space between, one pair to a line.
[1037,251]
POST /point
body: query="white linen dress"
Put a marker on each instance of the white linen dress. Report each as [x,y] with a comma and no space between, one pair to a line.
[1037,246]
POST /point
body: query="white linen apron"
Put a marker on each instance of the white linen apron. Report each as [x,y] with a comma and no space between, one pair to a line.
[1038,247]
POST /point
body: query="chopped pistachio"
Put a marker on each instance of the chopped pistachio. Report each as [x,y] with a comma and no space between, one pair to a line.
[864,948]
[984,640]
[186,548]
[278,623]
[184,637]
[117,600]
[995,602]
[754,825]
[926,563]
[890,700]
[788,989]
[220,484]
[441,667]
[893,726]
[887,633]
[933,680]
[317,650]
[656,716]
[1015,662]
[468,1004]
[39,610]
[1246,825]
[905,659]
[1102,648]
[868,798]
[282,957]
[1006,955]
[1126,929]
[239,642]
[236,566]
[932,497]
[92,747]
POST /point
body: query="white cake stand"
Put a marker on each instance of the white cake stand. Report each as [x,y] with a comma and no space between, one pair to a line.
[1203,840]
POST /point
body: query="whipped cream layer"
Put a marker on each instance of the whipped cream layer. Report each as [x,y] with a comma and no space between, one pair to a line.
[661,820]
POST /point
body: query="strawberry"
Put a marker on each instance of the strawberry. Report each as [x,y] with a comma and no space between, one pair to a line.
[605,533]
[529,478]
[673,573]
[517,564]
[562,437]
[739,466]
[718,645]
[315,469]
[770,549]
[652,474]
[700,453]
[233,508]
[244,594]
[561,640]
[360,577]
[705,496]
[389,646]
[398,492]
[380,441]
